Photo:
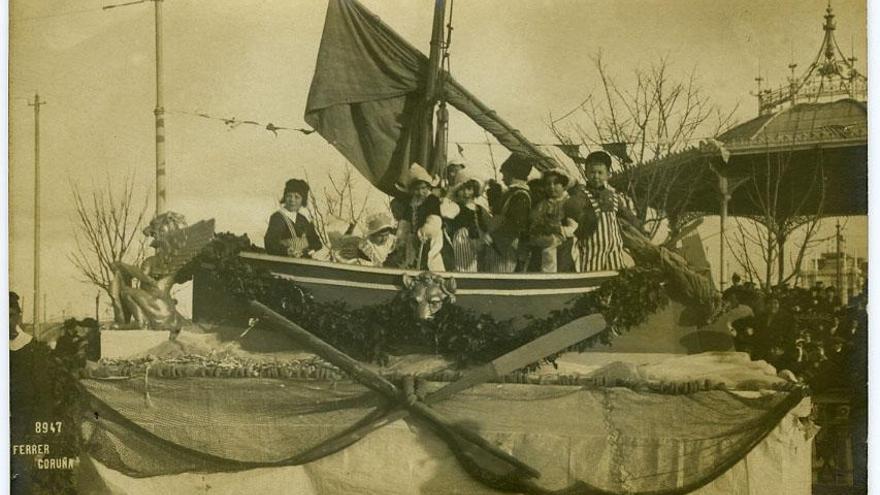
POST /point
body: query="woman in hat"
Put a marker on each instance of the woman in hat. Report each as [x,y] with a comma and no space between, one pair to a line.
[468,228]
[290,231]
[380,240]
[420,230]
[548,226]
[454,172]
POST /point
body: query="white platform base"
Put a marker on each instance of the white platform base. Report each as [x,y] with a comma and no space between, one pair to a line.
[121,344]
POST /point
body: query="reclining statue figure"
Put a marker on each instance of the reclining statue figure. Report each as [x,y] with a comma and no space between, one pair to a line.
[149,301]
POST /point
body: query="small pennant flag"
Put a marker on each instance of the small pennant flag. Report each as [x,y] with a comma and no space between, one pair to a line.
[571,150]
[618,150]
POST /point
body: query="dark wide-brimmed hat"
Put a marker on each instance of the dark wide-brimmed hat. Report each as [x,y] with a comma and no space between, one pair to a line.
[518,166]
[13,301]
[298,186]
[599,157]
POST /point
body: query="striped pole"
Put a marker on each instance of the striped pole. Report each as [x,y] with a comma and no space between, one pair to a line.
[159,112]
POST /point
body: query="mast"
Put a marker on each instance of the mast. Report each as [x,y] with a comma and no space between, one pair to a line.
[433,73]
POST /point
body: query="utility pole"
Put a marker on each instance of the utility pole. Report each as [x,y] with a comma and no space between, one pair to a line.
[36,104]
[839,274]
[725,198]
[159,110]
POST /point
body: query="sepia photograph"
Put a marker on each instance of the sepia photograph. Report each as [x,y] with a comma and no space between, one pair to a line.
[393,247]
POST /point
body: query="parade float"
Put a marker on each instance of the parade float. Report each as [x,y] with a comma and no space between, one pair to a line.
[304,376]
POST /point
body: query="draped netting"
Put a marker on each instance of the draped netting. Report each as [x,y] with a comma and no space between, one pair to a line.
[585,439]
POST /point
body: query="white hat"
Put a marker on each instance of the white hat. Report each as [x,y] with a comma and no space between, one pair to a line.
[418,173]
[378,222]
[463,179]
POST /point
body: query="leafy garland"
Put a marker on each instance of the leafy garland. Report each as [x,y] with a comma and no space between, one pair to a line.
[371,333]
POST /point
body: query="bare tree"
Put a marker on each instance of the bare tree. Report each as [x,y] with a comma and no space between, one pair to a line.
[340,207]
[653,117]
[107,229]
[781,221]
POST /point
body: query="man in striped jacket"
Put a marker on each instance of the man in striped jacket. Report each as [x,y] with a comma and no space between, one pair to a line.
[596,208]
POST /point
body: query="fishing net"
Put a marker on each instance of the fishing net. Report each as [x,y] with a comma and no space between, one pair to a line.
[581,439]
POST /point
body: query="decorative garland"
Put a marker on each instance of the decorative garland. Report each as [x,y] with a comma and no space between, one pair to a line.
[316,369]
[371,333]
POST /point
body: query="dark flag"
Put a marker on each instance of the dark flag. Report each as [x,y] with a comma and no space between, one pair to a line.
[618,150]
[366,97]
[572,151]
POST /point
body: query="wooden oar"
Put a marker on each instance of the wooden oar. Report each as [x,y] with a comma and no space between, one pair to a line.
[558,340]
[376,382]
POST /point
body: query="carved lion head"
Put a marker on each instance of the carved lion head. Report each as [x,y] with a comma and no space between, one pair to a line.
[429,292]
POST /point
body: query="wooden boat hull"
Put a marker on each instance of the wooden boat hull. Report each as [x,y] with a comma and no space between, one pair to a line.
[501,295]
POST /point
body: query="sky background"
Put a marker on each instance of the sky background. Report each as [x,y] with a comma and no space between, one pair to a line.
[254,60]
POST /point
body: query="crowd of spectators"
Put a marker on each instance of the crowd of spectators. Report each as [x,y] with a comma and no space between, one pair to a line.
[807,331]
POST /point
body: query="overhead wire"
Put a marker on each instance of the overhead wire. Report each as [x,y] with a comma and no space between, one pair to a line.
[50,16]
[75,12]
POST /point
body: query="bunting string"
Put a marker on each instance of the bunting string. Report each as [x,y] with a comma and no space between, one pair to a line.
[234,123]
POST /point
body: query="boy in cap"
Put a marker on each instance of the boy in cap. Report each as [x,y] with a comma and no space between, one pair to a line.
[598,243]
[508,232]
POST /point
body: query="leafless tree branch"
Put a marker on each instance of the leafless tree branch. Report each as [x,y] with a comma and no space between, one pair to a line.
[107,223]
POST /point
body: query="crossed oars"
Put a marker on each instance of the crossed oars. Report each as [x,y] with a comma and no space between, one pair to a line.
[555,341]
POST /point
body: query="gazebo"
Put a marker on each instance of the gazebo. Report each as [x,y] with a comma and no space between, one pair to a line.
[805,154]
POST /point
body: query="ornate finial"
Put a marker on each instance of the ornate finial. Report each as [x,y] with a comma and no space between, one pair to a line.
[831,74]
[829,19]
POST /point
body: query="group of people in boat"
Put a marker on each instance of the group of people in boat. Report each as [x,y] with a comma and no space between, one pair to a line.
[549,224]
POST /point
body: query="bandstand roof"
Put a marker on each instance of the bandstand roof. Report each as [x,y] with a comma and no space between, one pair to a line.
[803,125]
[794,144]
[808,145]
[815,125]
